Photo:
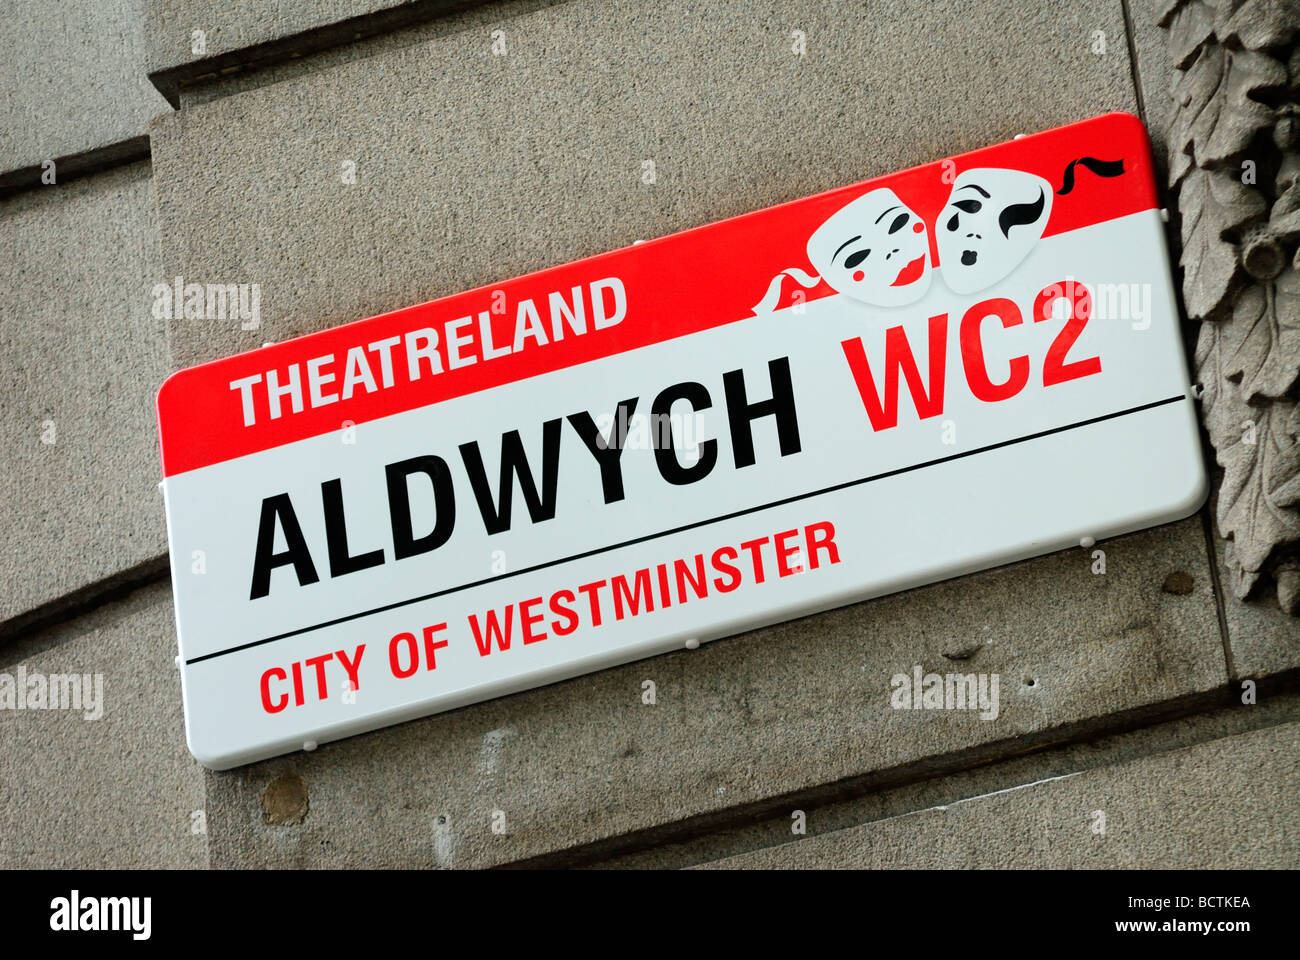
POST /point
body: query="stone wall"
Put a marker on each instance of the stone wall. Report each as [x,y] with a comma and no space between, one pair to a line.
[352,158]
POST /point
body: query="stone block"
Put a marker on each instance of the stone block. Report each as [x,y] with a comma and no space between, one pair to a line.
[74,84]
[107,782]
[802,707]
[441,166]
[1226,804]
[83,357]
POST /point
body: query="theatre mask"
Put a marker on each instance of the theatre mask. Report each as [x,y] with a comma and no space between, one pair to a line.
[875,250]
[991,221]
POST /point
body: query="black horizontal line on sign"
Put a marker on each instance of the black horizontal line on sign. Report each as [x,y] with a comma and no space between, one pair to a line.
[689,526]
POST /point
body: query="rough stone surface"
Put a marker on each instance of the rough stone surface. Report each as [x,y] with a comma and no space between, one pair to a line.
[119,791]
[472,167]
[1234,163]
[74,79]
[1057,760]
[1225,804]
[82,358]
[285,801]
[1263,640]
[741,721]
[299,54]
[1155,72]
[232,27]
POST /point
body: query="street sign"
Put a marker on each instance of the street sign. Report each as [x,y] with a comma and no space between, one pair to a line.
[960,365]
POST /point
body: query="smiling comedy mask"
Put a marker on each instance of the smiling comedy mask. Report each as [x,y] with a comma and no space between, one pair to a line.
[992,220]
[874,250]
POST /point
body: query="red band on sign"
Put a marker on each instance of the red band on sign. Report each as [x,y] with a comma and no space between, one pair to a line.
[603,305]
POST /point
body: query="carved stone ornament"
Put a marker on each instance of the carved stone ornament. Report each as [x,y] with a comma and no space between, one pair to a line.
[1234,169]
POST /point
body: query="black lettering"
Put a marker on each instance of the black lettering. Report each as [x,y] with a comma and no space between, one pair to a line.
[264,561]
[670,467]
[607,450]
[336,534]
[741,413]
[405,544]
[514,462]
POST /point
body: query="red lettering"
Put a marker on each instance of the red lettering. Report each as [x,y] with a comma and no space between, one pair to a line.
[784,553]
[755,548]
[591,590]
[972,351]
[1055,369]
[821,536]
[351,665]
[431,645]
[882,411]
[665,597]
[266,691]
[413,653]
[527,620]
[699,582]
[483,641]
[563,610]
[634,600]
[722,566]
[322,688]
